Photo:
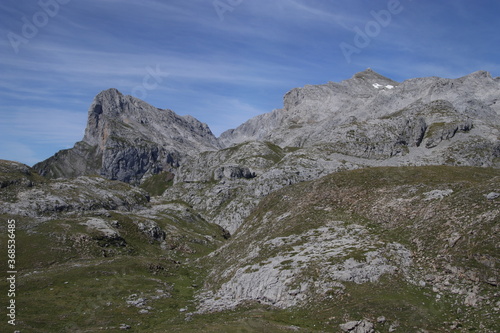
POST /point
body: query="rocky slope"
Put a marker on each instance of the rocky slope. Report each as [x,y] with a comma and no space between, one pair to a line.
[368,120]
[31,196]
[97,252]
[126,139]
[317,244]
[374,117]
[392,249]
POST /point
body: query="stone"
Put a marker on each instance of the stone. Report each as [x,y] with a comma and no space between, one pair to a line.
[472,299]
[492,195]
[349,326]
[135,300]
[233,172]
[152,231]
[363,326]
[437,194]
[393,327]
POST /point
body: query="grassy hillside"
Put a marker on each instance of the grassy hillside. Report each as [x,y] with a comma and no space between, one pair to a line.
[439,214]
[429,231]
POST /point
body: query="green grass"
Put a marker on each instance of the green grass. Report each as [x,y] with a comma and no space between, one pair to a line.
[71,279]
[429,175]
[94,295]
[157,184]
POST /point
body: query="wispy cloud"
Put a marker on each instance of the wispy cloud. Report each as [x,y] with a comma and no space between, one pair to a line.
[19,152]
[44,125]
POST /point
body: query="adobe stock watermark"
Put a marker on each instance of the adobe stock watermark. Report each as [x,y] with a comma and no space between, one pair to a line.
[372,29]
[223,6]
[11,271]
[150,82]
[32,24]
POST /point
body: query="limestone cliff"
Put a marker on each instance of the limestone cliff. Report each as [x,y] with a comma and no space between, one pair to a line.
[126,139]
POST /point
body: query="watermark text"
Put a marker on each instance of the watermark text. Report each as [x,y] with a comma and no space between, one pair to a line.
[33,23]
[223,6]
[150,81]
[363,37]
[11,272]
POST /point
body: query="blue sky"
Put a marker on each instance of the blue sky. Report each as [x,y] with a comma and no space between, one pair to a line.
[221,61]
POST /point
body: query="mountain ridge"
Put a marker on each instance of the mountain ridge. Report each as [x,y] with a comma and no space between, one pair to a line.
[368,116]
[344,102]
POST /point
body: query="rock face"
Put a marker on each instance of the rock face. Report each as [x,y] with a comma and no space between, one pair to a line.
[280,281]
[363,326]
[373,117]
[32,196]
[126,139]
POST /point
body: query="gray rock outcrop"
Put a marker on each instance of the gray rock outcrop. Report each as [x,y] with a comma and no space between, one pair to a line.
[126,139]
[280,281]
[362,326]
[82,194]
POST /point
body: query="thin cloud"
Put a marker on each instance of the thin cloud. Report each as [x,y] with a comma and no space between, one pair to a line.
[19,152]
[44,125]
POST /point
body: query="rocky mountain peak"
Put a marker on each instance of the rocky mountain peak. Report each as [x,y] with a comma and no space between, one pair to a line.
[368,82]
[126,139]
[370,76]
[108,94]
[127,117]
[367,116]
[480,74]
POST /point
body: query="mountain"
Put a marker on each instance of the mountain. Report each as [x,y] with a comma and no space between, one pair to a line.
[365,121]
[373,117]
[126,139]
[360,206]
[416,122]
